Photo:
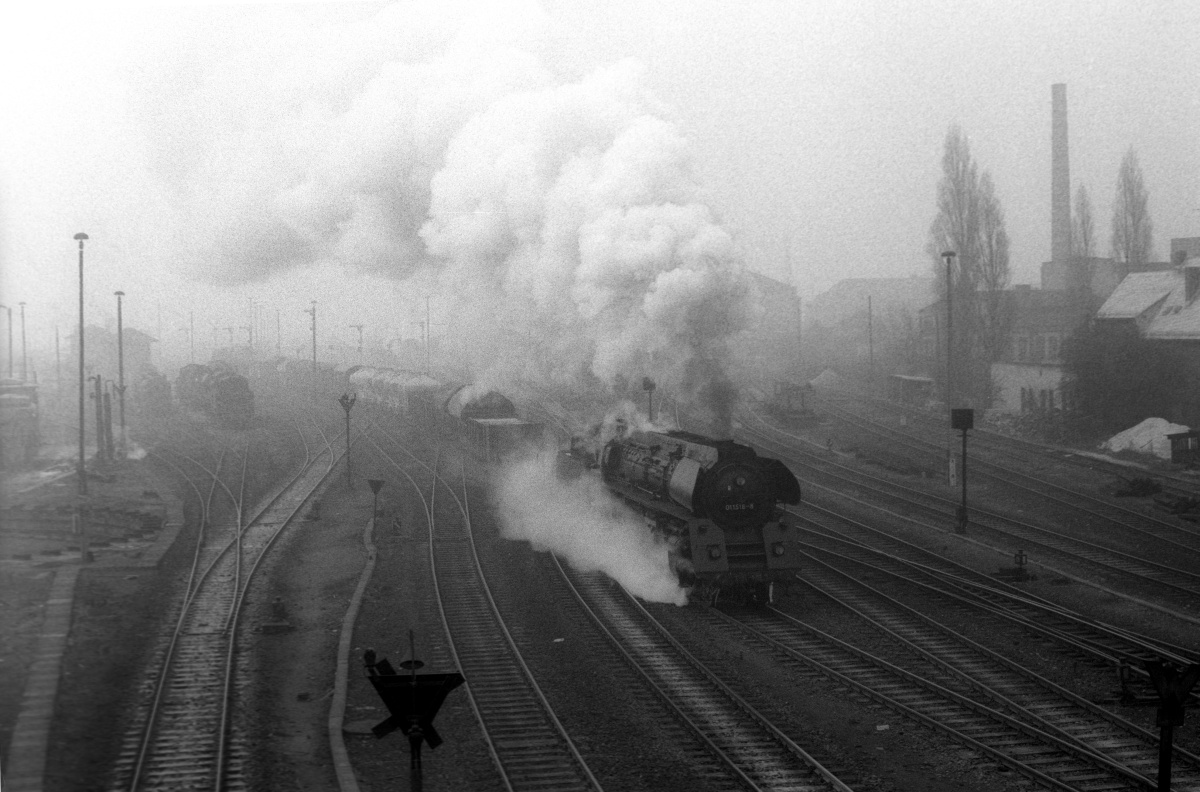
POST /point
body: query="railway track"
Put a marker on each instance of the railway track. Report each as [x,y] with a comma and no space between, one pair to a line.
[1046,758]
[1019,449]
[877,553]
[751,750]
[986,675]
[1175,590]
[530,748]
[1174,534]
[182,734]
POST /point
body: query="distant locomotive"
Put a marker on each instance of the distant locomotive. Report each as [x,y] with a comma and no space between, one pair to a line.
[151,397]
[486,421]
[489,424]
[715,502]
[217,391]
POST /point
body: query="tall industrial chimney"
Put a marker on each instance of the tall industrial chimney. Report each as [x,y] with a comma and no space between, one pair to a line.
[1060,178]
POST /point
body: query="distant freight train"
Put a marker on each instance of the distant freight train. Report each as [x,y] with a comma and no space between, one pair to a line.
[484,420]
[715,502]
[217,391]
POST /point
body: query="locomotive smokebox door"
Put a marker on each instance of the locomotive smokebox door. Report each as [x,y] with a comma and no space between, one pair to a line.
[709,553]
[962,418]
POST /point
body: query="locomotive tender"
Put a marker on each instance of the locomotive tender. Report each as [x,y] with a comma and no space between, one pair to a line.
[486,421]
[217,391]
[715,502]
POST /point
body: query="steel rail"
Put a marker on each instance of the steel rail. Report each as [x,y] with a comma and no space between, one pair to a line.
[741,757]
[222,637]
[1005,738]
[526,763]
[1038,486]
[1053,545]
[1050,707]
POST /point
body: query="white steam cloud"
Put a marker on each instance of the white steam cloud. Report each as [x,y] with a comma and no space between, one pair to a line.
[561,214]
[582,523]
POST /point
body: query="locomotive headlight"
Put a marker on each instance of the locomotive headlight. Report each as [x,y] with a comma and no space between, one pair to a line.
[714,552]
[777,549]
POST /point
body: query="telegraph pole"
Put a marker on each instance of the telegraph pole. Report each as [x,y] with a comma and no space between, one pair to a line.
[24,359]
[81,470]
[949,257]
[121,370]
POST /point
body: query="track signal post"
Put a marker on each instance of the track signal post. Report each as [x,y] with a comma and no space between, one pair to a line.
[962,419]
[347,401]
[413,701]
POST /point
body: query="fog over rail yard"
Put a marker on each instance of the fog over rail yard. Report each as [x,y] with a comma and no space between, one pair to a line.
[621,396]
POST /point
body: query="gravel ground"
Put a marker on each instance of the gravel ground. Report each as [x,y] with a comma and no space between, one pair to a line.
[619,728]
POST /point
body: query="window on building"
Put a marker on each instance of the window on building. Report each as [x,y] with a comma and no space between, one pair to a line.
[1022,348]
[1052,347]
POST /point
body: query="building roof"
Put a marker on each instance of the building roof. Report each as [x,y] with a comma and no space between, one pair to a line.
[1159,298]
[1138,293]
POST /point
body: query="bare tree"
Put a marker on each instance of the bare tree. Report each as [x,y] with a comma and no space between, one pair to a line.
[993,308]
[1132,229]
[1083,226]
[970,221]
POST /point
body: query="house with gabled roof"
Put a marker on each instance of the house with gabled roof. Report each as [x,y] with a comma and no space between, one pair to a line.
[1164,307]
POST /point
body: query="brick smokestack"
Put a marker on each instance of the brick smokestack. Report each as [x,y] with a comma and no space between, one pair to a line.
[1060,177]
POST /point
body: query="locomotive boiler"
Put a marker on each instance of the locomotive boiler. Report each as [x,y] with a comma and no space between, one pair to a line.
[716,504]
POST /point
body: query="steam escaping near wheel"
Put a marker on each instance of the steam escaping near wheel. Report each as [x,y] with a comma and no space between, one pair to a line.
[585,526]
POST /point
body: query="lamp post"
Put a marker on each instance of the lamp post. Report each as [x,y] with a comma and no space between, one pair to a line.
[99,398]
[10,355]
[347,401]
[24,359]
[81,472]
[121,369]
[949,257]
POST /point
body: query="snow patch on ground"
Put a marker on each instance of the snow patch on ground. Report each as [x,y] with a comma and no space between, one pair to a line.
[1148,437]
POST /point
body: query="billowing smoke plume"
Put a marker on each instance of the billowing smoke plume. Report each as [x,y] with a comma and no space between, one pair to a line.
[582,523]
[561,214]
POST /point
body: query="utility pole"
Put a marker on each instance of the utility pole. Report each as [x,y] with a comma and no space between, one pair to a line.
[191,336]
[949,257]
[121,370]
[99,398]
[313,385]
[81,470]
[870,346]
[347,401]
[24,359]
[428,331]
[10,354]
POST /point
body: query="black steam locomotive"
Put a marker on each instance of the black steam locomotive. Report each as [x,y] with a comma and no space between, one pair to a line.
[715,502]
[217,391]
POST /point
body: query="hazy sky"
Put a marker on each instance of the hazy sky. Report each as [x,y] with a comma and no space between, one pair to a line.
[816,128]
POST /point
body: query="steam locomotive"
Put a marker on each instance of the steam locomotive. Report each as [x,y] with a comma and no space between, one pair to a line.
[217,391]
[714,502]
